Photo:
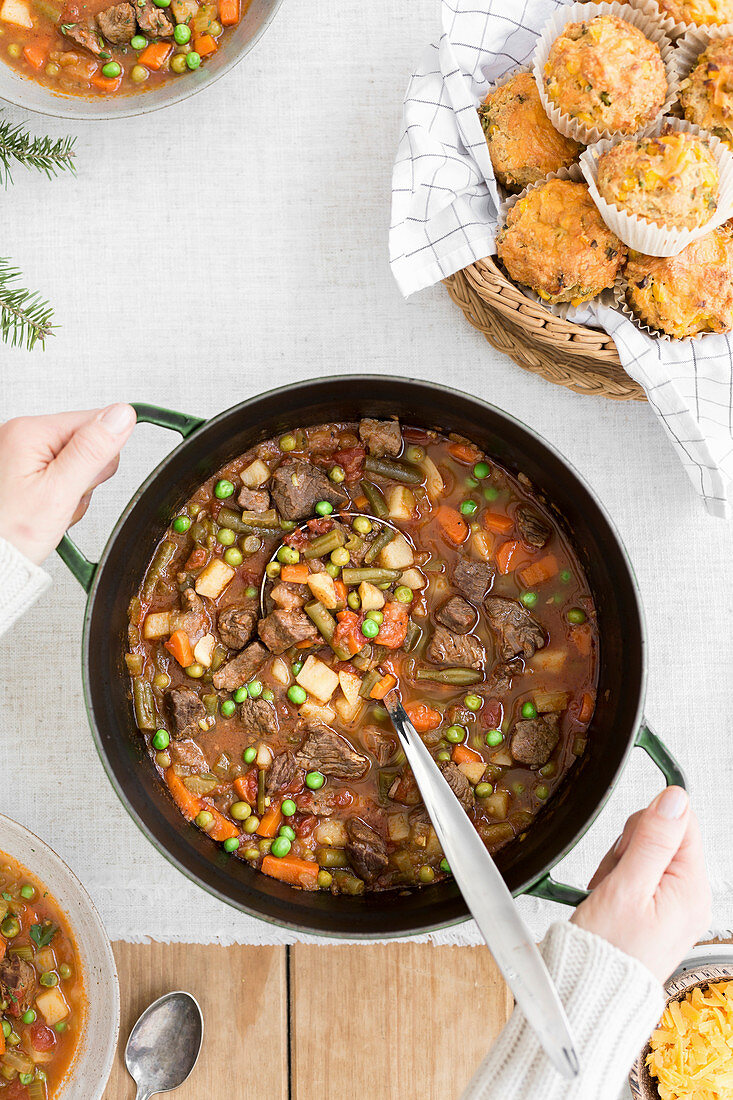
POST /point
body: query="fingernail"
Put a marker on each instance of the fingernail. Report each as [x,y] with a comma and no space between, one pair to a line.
[672,803]
[118,418]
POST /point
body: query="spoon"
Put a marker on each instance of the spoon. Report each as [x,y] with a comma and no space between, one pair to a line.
[164,1044]
[488,898]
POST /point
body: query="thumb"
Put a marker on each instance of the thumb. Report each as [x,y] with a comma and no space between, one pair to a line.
[92,447]
[655,841]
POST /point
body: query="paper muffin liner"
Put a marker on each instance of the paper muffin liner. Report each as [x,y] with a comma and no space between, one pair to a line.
[693,43]
[644,16]
[619,295]
[647,236]
[669,24]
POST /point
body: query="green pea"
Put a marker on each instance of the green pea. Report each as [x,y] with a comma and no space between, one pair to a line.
[287,831]
[324,508]
[483,790]
[426,874]
[491,493]
[226,536]
[376,616]
[60,1026]
[65,970]
[324,879]
[182,34]
[241,694]
[231,844]
[112,69]
[473,702]
[28,892]
[252,854]
[138,42]
[215,28]
[251,825]
[369,628]
[254,687]
[240,811]
[297,695]
[566,576]
[542,791]
[162,3]
[518,788]
[10,927]
[494,738]
[314,780]
[49,979]
[204,819]
[280,846]
[195,671]
[29,1017]
[233,557]
[529,599]
[272,569]
[287,524]
[576,615]
[445,866]
[6,1028]
[163,759]
[362,525]
[288,555]
[267,695]
[250,592]
[529,710]
[471,483]
[455,734]
[249,755]
[403,593]
[264,846]
[288,807]
[354,601]
[25,1078]
[481,470]
[181,524]
[336,474]
[296,667]
[468,507]
[223,488]
[332,570]
[340,556]
[442,755]
[548,770]
[161,740]
[228,708]
[178,63]
[288,442]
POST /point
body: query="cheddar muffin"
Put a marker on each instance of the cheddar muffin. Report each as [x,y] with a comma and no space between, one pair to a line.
[605,73]
[672,179]
[706,94]
[557,243]
[524,145]
[688,294]
[701,12]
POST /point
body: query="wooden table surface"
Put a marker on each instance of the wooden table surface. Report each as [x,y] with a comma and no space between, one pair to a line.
[307,1020]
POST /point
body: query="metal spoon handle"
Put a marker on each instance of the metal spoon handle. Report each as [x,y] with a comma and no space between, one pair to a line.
[489,900]
[143,1094]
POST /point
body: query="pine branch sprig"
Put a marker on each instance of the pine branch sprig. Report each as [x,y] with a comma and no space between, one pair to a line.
[25,317]
[42,153]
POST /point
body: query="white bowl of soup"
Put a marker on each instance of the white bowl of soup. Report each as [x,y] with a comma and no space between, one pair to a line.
[59,992]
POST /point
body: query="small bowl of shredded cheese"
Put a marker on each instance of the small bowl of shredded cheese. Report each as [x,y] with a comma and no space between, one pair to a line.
[690,1053]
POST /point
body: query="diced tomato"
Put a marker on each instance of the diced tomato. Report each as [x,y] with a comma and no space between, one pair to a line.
[350,459]
[423,717]
[320,526]
[348,630]
[491,713]
[297,539]
[42,1037]
[393,630]
[197,559]
[305,825]
[343,798]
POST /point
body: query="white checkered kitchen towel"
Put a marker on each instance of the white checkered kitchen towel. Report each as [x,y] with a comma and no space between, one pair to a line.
[444,209]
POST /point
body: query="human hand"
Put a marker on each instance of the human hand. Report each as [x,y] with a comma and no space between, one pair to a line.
[49,466]
[650,896]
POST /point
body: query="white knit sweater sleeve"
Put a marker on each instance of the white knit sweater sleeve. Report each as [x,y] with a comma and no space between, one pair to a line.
[21,583]
[613,1003]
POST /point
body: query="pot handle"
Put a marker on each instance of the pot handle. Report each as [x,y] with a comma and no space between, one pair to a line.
[67,550]
[547,887]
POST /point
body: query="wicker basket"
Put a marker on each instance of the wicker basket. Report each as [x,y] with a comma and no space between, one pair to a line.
[583,359]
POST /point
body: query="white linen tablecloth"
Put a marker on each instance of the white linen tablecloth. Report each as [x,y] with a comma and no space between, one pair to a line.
[231,244]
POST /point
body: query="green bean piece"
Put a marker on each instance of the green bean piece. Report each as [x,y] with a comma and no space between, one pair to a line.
[324,544]
[261,519]
[347,883]
[49,10]
[384,537]
[135,611]
[143,702]
[412,637]
[321,618]
[373,575]
[231,519]
[370,680]
[163,557]
[394,469]
[461,676]
[375,496]
[354,542]
[331,857]
[363,659]
[261,777]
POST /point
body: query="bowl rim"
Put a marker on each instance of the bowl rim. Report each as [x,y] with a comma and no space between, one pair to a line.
[15,831]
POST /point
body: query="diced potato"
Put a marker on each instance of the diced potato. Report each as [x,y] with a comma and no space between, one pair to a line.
[184,10]
[281,671]
[397,554]
[398,827]
[497,804]
[433,482]
[371,598]
[157,624]
[549,660]
[482,544]
[256,473]
[323,588]
[52,1005]
[316,713]
[551,701]
[433,849]
[264,755]
[213,579]
[502,757]
[333,833]
[473,771]
[17,13]
[318,679]
[203,651]
[350,683]
[349,713]
[45,960]
[414,579]
[401,502]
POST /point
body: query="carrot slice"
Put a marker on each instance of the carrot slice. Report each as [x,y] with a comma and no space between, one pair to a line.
[297,872]
[35,54]
[464,452]
[587,705]
[384,685]
[295,574]
[504,556]
[2,1042]
[580,637]
[463,755]
[540,571]
[187,803]
[423,717]
[205,45]
[222,829]
[106,83]
[271,821]
[496,521]
[452,524]
[179,645]
[3,948]
[228,12]
[155,56]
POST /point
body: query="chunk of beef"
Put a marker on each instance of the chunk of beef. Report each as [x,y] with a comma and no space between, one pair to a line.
[185,710]
[297,487]
[117,23]
[281,629]
[240,669]
[188,754]
[379,744]
[457,614]
[458,783]
[282,771]
[473,579]
[500,680]
[17,984]
[89,38]
[192,618]
[253,500]
[153,20]
[236,626]
[534,739]
[518,633]
[288,596]
[325,751]
[381,437]
[318,803]
[447,648]
[534,530]
[259,716]
[366,849]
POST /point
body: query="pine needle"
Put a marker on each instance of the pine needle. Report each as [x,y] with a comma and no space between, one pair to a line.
[25,318]
[42,153]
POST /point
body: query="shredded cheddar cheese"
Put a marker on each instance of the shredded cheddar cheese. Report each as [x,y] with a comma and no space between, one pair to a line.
[692,1049]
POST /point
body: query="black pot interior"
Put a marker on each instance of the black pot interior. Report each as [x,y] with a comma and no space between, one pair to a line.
[233,432]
